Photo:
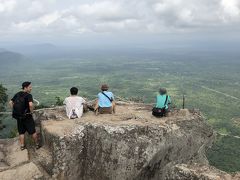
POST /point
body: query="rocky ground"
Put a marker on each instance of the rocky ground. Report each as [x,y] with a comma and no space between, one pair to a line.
[15,164]
[131,144]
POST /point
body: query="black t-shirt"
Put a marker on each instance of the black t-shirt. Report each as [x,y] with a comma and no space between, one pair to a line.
[28,98]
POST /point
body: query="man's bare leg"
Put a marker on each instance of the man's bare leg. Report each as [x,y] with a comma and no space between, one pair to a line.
[21,139]
[35,138]
[114,107]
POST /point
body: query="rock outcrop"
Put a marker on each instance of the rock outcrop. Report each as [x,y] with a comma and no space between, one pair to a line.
[198,171]
[15,164]
[131,144]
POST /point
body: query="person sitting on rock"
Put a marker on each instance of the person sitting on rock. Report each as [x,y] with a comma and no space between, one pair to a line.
[105,103]
[74,104]
[163,100]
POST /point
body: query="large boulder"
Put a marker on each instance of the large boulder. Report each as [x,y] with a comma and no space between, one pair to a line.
[128,145]
[131,144]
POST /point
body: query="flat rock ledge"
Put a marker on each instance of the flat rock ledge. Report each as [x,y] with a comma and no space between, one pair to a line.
[15,164]
[128,145]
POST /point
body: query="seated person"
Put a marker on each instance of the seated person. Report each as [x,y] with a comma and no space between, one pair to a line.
[105,103]
[74,104]
[163,100]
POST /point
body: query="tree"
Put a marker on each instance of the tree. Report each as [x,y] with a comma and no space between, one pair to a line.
[3,97]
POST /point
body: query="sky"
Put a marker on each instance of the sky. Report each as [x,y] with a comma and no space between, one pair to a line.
[126,21]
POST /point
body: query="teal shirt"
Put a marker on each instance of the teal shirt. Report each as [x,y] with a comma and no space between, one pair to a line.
[161,100]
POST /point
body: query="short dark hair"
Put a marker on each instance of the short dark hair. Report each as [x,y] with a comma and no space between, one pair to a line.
[74,91]
[162,91]
[25,84]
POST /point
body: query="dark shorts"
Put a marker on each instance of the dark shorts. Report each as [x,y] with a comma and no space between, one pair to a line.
[26,124]
[105,110]
[159,112]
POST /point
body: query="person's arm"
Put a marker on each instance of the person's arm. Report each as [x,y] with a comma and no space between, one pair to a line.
[169,103]
[30,102]
[84,101]
[11,104]
[169,100]
[31,107]
[97,101]
[113,98]
[65,101]
[84,104]
[96,105]
[156,101]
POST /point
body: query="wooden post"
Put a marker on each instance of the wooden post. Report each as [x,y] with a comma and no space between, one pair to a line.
[183,105]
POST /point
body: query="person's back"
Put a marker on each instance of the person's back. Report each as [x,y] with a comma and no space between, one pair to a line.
[21,104]
[105,103]
[103,100]
[74,104]
[162,102]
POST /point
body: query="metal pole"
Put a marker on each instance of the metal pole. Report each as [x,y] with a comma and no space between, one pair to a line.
[183,105]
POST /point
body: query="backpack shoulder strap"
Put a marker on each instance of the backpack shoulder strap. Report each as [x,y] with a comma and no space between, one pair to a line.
[107,97]
[166,100]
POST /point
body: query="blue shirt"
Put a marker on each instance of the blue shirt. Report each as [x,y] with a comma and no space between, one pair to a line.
[103,101]
[161,100]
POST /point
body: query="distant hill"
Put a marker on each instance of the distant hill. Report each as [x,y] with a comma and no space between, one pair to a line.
[11,58]
[44,46]
[38,51]
[2,50]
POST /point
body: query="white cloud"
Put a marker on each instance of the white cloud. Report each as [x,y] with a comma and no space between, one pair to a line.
[49,18]
[7,5]
[53,17]
[231,8]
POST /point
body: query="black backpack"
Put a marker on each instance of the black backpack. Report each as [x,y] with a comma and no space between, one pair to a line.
[160,112]
[19,106]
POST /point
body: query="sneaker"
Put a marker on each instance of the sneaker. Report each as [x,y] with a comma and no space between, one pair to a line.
[22,147]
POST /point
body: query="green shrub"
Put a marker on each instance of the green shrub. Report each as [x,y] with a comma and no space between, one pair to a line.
[59,101]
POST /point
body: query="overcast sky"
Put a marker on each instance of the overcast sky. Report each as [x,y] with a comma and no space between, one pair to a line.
[92,20]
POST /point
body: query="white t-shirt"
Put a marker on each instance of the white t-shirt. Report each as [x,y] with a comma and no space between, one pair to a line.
[74,103]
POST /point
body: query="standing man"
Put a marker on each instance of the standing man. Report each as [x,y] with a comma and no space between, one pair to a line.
[22,106]
[74,104]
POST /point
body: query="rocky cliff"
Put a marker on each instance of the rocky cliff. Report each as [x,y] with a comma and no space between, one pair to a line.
[131,144]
